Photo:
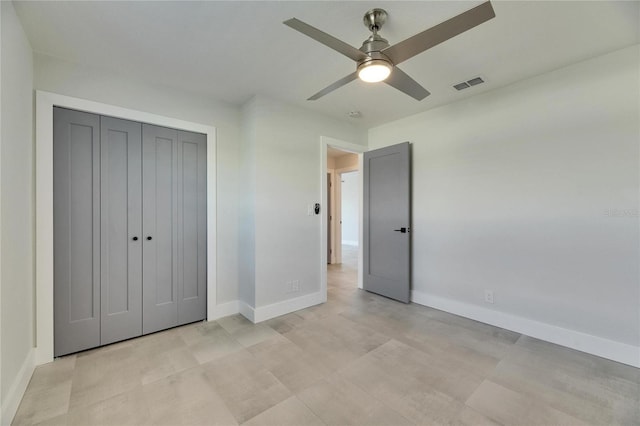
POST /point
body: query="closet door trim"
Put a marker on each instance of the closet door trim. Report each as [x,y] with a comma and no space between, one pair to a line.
[45,101]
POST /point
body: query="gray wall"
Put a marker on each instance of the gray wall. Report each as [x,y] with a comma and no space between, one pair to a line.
[532,191]
[17,205]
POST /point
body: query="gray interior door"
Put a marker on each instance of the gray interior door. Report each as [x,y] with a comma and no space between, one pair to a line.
[160,206]
[387,221]
[121,226]
[76,230]
[192,227]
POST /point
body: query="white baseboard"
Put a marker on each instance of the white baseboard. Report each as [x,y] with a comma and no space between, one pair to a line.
[247,311]
[349,243]
[225,309]
[263,313]
[616,351]
[11,402]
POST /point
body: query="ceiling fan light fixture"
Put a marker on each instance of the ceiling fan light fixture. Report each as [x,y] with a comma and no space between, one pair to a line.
[377,59]
[374,70]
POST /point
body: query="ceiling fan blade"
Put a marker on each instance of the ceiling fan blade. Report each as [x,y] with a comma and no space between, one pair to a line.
[420,42]
[326,39]
[406,84]
[334,86]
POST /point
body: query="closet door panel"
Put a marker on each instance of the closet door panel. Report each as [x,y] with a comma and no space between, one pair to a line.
[76,220]
[121,209]
[160,162]
[192,227]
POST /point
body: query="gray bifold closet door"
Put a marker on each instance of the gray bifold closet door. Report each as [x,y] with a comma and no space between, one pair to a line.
[192,227]
[121,222]
[175,227]
[160,233]
[130,230]
[76,230]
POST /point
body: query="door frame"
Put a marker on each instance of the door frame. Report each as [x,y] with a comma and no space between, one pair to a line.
[326,142]
[45,101]
[331,210]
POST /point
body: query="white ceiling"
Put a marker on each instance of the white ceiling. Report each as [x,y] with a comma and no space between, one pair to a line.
[232,50]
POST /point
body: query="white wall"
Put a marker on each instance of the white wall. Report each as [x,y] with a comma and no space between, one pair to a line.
[247,231]
[268,159]
[520,190]
[287,166]
[349,203]
[17,213]
[69,79]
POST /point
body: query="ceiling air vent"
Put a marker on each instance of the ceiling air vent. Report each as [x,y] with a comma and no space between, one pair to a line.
[473,82]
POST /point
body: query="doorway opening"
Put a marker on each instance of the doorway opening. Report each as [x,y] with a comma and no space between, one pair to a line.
[343,219]
[342,202]
[332,255]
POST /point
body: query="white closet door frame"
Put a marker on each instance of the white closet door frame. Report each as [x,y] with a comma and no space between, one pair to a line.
[45,101]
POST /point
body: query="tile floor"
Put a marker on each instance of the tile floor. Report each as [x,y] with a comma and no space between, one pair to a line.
[359,359]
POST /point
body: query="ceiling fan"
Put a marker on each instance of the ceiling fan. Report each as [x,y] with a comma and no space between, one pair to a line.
[378,61]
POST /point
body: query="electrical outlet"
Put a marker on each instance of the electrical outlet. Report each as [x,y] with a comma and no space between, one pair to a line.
[292,286]
[488,296]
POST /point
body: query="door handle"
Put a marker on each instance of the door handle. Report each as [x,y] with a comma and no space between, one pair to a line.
[149,238]
[135,238]
[403,230]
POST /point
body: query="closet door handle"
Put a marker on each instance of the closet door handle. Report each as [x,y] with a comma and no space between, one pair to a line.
[135,238]
[149,238]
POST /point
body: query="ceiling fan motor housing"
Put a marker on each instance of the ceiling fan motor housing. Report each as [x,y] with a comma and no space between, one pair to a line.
[373,47]
[374,43]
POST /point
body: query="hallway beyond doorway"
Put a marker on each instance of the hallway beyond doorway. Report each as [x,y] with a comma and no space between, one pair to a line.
[344,275]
